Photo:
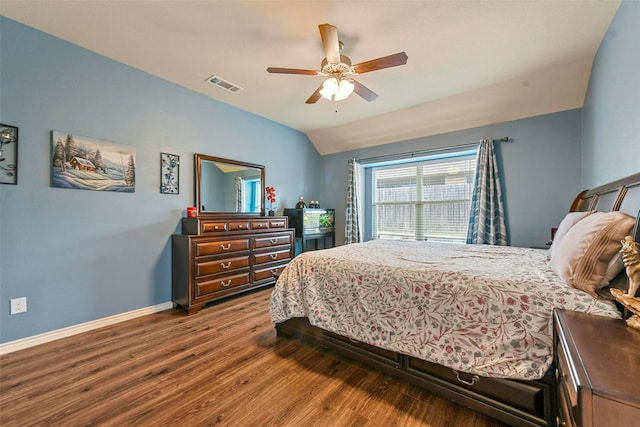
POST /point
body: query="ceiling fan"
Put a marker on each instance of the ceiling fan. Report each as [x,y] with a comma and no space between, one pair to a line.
[338,69]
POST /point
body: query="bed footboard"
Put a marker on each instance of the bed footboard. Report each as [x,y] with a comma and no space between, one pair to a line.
[515,402]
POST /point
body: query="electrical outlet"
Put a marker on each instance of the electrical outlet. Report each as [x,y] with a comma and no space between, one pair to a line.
[19,305]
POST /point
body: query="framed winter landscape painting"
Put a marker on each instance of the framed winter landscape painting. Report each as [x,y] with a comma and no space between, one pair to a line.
[90,164]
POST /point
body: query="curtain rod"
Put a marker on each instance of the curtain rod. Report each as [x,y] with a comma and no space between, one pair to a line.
[418,153]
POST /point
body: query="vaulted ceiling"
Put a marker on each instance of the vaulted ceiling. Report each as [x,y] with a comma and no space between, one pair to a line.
[471,63]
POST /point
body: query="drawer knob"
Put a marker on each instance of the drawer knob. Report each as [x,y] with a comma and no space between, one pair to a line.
[274,271]
[226,284]
[274,256]
[225,248]
[274,241]
[227,265]
[472,381]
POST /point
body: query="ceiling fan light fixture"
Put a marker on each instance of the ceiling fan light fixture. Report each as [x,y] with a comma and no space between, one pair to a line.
[345,88]
[329,88]
[336,90]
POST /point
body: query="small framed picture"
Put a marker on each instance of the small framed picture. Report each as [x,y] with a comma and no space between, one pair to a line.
[169,173]
[8,154]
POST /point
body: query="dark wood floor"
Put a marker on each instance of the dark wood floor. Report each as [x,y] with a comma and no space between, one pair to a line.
[223,366]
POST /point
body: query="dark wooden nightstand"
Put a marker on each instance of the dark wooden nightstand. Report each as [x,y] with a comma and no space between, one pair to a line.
[598,370]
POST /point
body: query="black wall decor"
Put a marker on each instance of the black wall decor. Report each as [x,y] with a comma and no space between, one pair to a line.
[8,154]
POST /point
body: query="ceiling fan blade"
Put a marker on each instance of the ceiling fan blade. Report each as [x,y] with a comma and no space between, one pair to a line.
[292,71]
[314,96]
[329,35]
[380,63]
[364,91]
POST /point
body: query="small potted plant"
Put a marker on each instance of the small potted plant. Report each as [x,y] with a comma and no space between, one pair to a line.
[271,197]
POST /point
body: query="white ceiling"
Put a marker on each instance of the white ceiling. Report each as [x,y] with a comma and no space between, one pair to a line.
[471,63]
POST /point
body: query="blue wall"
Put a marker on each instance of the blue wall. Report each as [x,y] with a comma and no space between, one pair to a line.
[611,129]
[82,255]
[540,171]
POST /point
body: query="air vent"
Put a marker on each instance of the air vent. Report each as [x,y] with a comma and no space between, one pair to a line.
[224,84]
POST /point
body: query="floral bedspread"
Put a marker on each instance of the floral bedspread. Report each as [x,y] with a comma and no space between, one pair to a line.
[485,310]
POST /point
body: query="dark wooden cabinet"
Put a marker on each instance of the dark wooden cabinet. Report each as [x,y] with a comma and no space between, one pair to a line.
[597,368]
[313,225]
[219,257]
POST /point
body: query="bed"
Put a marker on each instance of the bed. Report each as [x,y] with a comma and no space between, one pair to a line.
[470,322]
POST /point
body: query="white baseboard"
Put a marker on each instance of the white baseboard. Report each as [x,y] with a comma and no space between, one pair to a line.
[11,346]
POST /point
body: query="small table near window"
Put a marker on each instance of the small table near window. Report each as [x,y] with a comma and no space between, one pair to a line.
[312,225]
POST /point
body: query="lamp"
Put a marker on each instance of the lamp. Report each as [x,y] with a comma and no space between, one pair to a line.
[336,90]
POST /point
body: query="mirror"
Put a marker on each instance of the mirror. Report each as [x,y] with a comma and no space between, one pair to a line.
[228,186]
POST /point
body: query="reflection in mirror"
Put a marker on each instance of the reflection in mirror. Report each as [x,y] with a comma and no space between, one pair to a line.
[228,186]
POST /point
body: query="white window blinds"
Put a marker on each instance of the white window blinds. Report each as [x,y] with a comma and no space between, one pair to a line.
[427,200]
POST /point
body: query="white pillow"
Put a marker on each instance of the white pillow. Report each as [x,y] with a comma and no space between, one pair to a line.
[567,222]
[586,252]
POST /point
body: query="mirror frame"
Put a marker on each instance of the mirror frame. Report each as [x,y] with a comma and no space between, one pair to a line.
[198,158]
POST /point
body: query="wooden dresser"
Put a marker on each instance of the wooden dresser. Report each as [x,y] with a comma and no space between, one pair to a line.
[222,256]
[598,371]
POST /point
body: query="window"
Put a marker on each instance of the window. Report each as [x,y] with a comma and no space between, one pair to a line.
[252,195]
[423,200]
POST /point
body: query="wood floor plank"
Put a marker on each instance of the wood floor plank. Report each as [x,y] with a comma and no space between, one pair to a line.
[223,366]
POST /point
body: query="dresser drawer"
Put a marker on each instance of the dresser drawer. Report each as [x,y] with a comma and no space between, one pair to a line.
[565,410]
[221,265]
[204,288]
[268,273]
[220,247]
[278,223]
[238,226]
[565,379]
[271,256]
[272,240]
[213,227]
[259,225]
[528,396]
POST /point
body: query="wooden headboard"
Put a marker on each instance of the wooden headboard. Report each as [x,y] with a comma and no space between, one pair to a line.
[622,195]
